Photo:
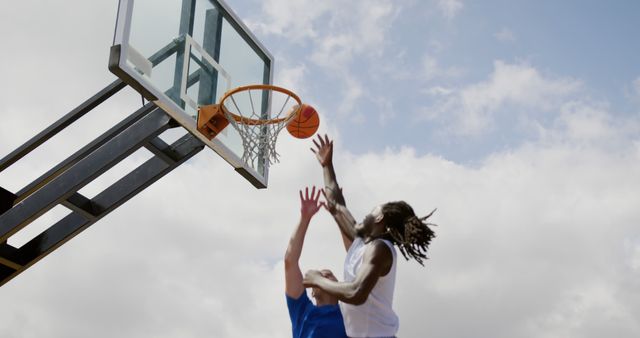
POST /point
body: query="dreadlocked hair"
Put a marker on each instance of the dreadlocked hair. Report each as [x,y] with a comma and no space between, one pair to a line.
[411,234]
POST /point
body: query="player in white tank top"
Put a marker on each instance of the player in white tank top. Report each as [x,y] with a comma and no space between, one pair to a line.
[366,294]
[375,317]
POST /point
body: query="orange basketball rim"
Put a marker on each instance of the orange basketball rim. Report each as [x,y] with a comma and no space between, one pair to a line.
[213,118]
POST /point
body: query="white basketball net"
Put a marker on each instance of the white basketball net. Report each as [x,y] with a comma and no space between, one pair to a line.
[259,140]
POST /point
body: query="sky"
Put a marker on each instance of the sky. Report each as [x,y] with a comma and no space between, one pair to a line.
[518,120]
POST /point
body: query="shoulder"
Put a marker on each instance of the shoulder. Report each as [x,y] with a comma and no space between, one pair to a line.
[378,252]
[378,246]
[300,301]
[298,307]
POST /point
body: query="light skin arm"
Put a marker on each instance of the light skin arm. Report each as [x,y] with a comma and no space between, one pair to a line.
[336,204]
[376,263]
[309,206]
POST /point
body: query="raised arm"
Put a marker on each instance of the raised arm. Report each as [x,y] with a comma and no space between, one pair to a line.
[376,262]
[309,205]
[332,191]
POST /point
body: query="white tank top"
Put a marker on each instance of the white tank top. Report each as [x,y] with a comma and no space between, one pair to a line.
[375,317]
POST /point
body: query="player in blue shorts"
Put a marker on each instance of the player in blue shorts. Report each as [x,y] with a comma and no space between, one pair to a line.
[322,320]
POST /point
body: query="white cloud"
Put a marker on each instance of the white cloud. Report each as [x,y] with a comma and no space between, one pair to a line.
[515,83]
[515,236]
[293,19]
[339,30]
[634,255]
[293,78]
[376,19]
[339,35]
[354,29]
[592,307]
[529,245]
[587,122]
[334,52]
[518,86]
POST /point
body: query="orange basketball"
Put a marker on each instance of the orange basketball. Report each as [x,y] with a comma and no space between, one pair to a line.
[305,123]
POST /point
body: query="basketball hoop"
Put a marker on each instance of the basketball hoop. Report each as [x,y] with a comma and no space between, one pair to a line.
[258,129]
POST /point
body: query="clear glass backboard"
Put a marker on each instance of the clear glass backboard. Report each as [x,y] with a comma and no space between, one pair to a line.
[184,54]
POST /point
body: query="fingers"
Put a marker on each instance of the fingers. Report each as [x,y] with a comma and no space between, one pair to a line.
[314,196]
[311,201]
[324,141]
[317,195]
[321,140]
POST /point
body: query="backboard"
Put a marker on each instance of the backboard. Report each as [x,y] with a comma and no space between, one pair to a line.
[183,54]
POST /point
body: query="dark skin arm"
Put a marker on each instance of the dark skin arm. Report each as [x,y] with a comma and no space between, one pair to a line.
[336,204]
[376,263]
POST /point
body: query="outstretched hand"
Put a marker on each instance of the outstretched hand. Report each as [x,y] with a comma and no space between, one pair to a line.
[310,204]
[324,150]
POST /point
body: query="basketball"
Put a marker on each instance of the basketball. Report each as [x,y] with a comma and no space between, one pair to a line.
[305,123]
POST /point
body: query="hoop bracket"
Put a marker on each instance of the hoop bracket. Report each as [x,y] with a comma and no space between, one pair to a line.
[211,120]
